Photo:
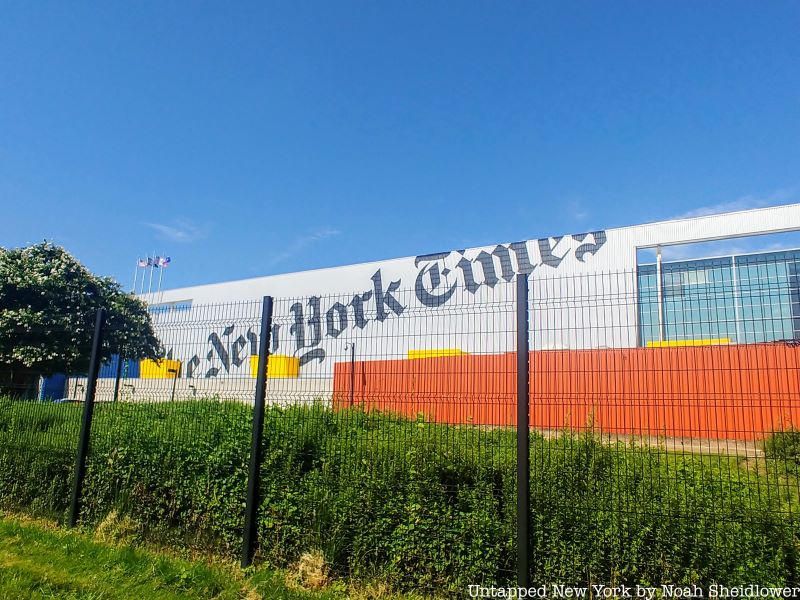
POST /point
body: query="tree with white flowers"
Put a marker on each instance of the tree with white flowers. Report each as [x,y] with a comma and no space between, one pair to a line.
[48,305]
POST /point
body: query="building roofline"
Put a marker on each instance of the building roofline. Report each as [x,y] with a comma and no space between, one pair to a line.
[402,258]
[712,215]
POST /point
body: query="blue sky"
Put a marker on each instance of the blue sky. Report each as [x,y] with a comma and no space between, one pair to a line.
[246,139]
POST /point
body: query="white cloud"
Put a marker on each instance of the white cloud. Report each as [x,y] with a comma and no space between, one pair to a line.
[692,251]
[780,196]
[736,247]
[577,210]
[181,231]
[302,242]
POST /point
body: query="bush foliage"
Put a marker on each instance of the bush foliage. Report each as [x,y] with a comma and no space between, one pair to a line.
[784,446]
[414,504]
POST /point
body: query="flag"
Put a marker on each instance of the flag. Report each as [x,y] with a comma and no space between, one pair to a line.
[149,262]
[156,262]
[141,263]
[164,261]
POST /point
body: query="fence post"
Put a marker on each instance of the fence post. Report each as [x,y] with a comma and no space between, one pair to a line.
[117,376]
[86,423]
[251,508]
[523,449]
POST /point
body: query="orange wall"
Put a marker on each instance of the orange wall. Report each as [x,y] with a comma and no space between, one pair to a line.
[728,392]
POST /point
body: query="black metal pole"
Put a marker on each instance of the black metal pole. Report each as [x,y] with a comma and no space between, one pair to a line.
[250,537]
[86,423]
[118,376]
[352,374]
[175,372]
[523,449]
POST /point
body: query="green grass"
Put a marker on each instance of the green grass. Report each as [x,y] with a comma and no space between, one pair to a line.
[416,505]
[37,560]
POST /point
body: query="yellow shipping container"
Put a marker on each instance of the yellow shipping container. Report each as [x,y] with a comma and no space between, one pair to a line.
[163,369]
[435,353]
[279,366]
[686,343]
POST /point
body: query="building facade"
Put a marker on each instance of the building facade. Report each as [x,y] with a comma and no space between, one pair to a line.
[588,291]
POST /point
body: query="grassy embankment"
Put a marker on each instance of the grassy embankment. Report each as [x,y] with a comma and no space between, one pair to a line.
[40,560]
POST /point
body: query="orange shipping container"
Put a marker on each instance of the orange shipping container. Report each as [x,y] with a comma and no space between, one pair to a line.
[724,392]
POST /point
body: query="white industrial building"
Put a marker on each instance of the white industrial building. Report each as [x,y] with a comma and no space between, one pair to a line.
[588,290]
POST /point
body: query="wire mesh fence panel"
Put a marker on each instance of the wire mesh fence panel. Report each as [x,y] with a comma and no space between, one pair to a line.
[664,408]
[170,437]
[664,418]
[38,426]
[389,441]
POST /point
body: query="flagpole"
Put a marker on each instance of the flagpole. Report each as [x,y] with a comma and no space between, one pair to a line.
[160,276]
[144,274]
[152,268]
[135,275]
[165,260]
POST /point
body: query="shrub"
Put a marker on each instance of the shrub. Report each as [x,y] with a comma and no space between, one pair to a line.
[784,446]
[409,503]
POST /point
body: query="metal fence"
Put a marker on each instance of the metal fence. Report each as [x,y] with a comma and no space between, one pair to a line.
[571,430]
